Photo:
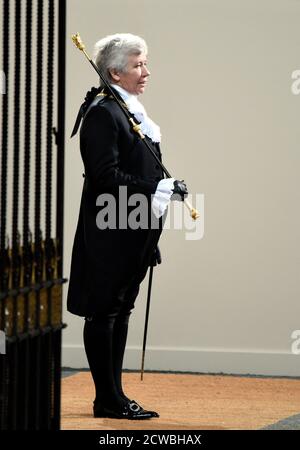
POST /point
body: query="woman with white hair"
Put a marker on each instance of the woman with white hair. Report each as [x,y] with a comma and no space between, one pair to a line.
[109,262]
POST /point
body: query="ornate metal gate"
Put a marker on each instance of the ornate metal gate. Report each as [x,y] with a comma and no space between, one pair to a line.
[32,100]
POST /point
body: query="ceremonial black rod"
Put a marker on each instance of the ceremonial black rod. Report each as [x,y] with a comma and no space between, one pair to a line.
[136,127]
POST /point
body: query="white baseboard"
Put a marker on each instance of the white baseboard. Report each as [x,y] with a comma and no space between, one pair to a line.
[198,360]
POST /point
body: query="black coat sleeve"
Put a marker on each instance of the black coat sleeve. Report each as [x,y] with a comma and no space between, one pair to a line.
[101,154]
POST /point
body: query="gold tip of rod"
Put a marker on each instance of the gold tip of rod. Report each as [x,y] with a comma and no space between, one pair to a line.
[194,214]
[77,41]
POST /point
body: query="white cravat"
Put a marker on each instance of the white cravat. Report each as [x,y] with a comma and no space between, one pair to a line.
[148,127]
[163,192]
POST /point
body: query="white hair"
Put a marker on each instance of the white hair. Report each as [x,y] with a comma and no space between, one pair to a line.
[112,52]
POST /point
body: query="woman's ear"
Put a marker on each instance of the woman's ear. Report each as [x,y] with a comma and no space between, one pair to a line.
[114,74]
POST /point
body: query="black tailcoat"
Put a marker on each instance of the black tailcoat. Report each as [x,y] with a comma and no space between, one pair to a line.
[106,261]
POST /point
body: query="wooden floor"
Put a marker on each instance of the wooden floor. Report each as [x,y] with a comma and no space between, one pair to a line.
[198,402]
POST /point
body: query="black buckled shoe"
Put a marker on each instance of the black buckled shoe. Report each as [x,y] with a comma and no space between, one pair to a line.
[131,411]
[153,413]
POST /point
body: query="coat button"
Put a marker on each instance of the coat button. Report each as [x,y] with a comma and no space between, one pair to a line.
[157,166]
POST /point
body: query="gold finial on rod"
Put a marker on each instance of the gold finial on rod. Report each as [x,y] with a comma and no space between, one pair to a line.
[77,41]
[80,45]
[193,211]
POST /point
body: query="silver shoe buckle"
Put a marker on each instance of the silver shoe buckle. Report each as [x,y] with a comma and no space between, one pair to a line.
[134,407]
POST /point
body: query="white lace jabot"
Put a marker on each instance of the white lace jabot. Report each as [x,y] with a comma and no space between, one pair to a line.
[148,127]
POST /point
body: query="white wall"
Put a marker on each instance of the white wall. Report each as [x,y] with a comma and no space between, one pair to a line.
[221,91]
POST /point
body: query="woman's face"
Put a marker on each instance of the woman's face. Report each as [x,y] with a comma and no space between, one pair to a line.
[134,80]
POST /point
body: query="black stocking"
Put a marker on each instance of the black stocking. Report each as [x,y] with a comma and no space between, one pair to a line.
[120,334]
[119,344]
[98,342]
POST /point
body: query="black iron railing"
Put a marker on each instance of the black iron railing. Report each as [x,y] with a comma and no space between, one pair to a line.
[31,232]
